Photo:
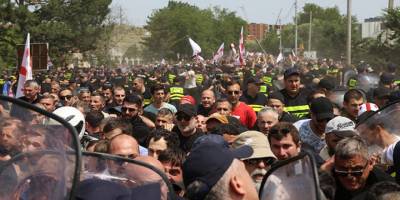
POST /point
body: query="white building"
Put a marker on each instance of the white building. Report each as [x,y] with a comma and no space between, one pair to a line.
[372,27]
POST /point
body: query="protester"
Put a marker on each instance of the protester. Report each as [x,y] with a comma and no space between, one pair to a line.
[267,118]
[284,140]
[262,158]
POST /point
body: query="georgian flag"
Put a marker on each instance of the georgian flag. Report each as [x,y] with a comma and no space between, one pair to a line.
[241,48]
[25,70]
[219,54]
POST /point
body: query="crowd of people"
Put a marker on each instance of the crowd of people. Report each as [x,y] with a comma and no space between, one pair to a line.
[216,130]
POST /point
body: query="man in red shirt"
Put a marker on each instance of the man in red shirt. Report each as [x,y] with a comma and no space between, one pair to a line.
[240,110]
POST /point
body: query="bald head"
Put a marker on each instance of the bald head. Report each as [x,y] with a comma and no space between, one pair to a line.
[125,146]
[207,98]
[151,161]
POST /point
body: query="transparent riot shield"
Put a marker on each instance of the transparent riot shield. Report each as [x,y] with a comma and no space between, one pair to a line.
[134,179]
[367,81]
[336,96]
[348,75]
[381,129]
[292,179]
[39,153]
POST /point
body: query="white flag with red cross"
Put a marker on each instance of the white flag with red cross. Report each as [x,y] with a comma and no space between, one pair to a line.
[25,70]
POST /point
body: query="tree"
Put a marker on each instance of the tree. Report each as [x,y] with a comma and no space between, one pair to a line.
[328,32]
[171,26]
[65,25]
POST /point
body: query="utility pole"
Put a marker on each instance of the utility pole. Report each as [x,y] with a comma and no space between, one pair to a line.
[295,19]
[391,4]
[348,46]
[280,36]
[309,33]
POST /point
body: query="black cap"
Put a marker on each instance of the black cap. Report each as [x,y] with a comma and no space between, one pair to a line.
[327,84]
[187,109]
[254,80]
[381,92]
[207,163]
[322,108]
[291,71]
[277,95]
[387,78]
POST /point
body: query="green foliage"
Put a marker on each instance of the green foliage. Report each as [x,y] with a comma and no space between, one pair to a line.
[171,26]
[63,24]
[328,32]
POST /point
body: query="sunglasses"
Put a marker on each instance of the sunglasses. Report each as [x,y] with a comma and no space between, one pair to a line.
[124,109]
[121,162]
[222,109]
[67,97]
[185,117]
[255,161]
[355,173]
[233,92]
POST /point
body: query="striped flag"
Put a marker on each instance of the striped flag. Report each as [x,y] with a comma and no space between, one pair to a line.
[25,70]
[241,48]
[219,54]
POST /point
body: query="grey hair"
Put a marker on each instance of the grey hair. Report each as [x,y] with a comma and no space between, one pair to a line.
[270,110]
[350,147]
[31,83]
[390,196]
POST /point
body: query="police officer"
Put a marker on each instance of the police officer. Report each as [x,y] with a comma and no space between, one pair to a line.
[295,97]
[252,96]
[176,91]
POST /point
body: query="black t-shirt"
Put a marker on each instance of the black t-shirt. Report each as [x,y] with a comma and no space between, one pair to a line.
[186,143]
[204,111]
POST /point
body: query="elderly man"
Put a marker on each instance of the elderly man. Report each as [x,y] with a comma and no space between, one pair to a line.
[354,171]
[267,118]
[212,171]
[32,95]
[48,102]
[262,158]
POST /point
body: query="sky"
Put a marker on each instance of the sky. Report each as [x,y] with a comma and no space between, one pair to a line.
[253,11]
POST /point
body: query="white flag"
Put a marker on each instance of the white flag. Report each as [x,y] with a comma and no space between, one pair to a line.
[279,58]
[219,54]
[196,48]
[241,48]
[25,70]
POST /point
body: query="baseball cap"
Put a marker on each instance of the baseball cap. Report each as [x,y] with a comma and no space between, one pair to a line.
[207,163]
[218,117]
[291,71]
[188,99]
[257,141]
[187,109]
[254,80]
[340,123]
[387,78]
[381,92]
[278,96]
[367,107]
[322,108]
[327,84]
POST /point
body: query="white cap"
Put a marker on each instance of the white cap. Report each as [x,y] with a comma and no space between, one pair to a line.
[367,107]
[340,123]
